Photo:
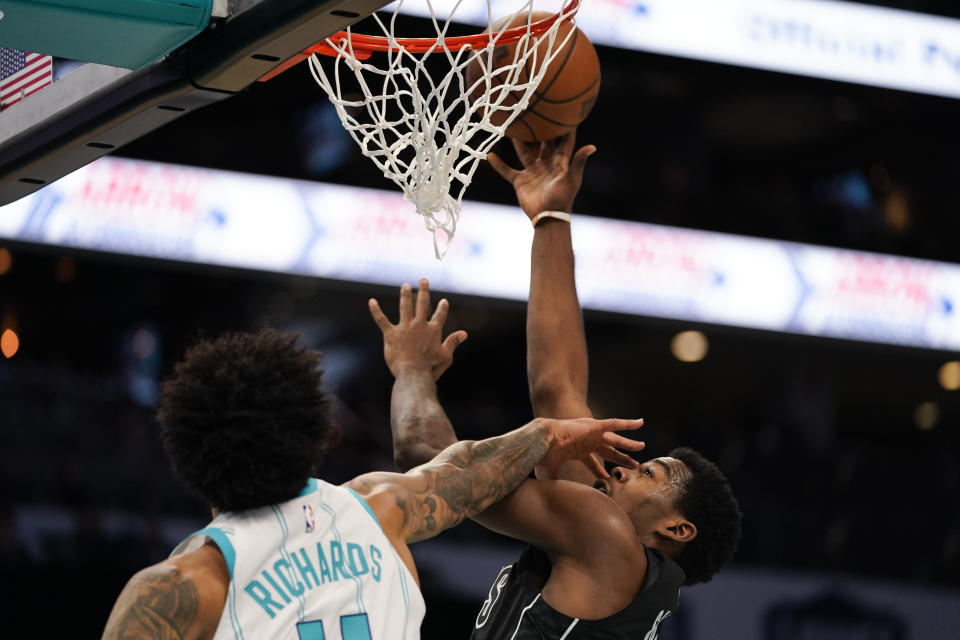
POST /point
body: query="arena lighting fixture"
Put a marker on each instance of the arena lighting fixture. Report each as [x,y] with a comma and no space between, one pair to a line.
[689,346]
[6,260]
[9,343]
[950,376]
[926,416]
[144,343]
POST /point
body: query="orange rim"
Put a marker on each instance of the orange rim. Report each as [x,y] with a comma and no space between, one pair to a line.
[361,46]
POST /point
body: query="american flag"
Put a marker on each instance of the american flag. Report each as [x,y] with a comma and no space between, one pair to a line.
[22,73]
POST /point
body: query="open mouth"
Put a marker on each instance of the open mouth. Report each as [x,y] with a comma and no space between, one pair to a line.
[601,486]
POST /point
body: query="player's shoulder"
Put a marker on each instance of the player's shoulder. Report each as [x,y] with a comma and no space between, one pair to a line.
[603,523]
[368,483]
[185,593]
[205,564]
[376,488]
[379,493]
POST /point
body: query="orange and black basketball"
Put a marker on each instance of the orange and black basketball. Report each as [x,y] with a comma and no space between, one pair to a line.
[568,89]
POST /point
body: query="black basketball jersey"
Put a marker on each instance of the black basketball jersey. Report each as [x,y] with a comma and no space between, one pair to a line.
[515,610]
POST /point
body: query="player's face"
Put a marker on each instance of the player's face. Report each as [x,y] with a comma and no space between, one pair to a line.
[651,487]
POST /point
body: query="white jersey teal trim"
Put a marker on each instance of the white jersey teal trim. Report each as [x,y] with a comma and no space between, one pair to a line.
[403,572]
[312,485]
[285,555]
[223,543]
[232,611]
[317,561]
[336,532]
[401,567]
[365,506]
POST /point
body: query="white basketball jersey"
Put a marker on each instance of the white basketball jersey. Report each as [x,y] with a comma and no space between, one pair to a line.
[317,567]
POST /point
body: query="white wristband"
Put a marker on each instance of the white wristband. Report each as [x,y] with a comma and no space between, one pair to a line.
[556,215]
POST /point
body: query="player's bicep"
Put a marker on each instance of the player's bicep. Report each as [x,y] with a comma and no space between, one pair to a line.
[537,512]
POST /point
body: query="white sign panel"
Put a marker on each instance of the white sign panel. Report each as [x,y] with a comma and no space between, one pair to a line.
[366,235]
[820,38]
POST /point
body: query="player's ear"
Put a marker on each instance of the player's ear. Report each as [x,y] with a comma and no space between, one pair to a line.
[678,529]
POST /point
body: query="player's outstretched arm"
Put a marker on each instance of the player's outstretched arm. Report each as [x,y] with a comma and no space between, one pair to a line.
[417,355]
[469,476]
[557,365]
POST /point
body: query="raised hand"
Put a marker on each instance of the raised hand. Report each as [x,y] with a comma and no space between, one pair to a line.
[415,341]
[590,441]
[551,174]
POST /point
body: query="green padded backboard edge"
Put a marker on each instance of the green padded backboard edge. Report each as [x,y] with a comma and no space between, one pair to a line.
[122,33]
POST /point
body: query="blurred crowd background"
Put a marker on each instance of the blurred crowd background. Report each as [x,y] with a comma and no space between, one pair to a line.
[845,456]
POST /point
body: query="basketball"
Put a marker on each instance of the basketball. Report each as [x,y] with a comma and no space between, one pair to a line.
[565,95]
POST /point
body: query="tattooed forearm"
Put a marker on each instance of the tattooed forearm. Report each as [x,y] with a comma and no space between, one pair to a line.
[158,604]
[468,477]
[419,424]
[464,478]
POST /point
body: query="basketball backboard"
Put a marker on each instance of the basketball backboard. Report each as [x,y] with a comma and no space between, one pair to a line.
[94,109]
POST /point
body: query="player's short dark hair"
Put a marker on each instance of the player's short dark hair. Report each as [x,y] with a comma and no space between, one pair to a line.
[707,501]
[244,419]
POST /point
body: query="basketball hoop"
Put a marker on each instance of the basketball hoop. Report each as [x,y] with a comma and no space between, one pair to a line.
[427,134]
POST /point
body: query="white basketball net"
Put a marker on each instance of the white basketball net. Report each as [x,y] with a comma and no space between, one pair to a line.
[427,134]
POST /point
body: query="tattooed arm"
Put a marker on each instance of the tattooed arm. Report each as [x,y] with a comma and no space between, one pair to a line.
[178,599]
[467,477]
[417,354]
[464,479]
[420,426]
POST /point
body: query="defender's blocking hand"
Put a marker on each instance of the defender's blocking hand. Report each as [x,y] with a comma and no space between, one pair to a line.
[586,439]
[551,175]
[415,341]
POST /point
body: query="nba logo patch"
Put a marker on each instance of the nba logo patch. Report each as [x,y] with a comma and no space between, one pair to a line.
[308,519]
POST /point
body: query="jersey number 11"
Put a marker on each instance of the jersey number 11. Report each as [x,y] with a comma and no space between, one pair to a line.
[353,627]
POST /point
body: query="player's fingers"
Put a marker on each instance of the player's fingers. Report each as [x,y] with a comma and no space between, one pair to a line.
[617,457]
[560,158]
[621,442]
[595,465]
[378,315]
[566,144]
[406,302]
[440,313]
[454,340]
[618,424]
[526,151]
[423,300]
[542,151]
[579,161]
[548,150]
[506,171]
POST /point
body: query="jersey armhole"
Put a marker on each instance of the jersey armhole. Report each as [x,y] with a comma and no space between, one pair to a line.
[401,565]
[366,506]
[223,543]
